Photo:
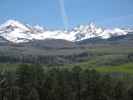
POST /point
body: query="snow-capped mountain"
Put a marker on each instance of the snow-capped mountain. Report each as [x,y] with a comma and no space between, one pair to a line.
[17,32]
[92,31]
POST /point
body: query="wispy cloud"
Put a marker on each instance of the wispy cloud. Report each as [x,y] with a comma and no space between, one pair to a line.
[63,14]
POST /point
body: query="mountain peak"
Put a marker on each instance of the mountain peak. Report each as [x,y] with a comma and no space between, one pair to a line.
[11,22]
[14,24]
[92,25]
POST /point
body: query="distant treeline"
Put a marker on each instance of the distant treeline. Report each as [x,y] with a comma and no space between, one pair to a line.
[41,59]
[66,59]
[33,82]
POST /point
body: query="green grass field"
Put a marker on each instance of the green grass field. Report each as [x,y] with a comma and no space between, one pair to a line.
[125,68]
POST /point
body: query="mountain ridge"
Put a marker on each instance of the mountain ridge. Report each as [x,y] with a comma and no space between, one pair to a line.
[17,32]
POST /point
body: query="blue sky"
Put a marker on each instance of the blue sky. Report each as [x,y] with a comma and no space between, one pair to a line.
[68,13]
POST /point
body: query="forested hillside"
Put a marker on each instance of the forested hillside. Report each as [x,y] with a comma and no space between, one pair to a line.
[33,82]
